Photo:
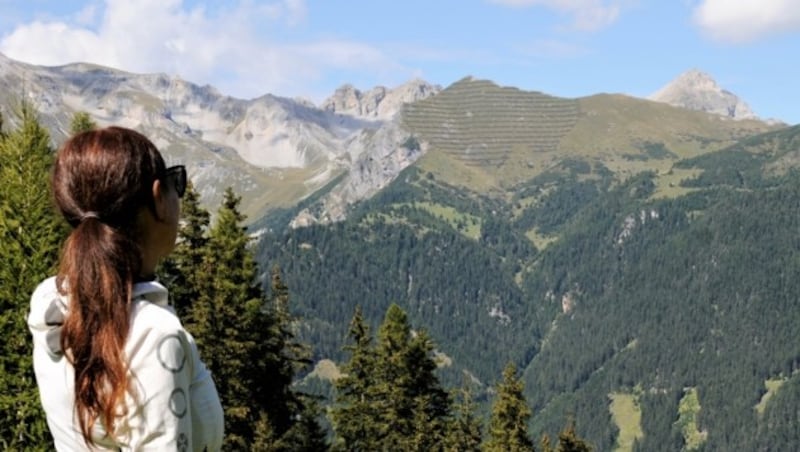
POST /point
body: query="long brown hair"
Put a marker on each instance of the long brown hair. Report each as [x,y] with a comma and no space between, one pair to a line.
[101,181]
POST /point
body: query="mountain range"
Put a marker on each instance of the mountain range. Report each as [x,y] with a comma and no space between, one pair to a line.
[277,151]
[272,150]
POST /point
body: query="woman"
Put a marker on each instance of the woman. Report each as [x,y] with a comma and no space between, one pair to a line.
[115,368]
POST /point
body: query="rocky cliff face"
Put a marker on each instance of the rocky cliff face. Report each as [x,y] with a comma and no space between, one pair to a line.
[272,150]
[381,155]
[696,90]
[379,102]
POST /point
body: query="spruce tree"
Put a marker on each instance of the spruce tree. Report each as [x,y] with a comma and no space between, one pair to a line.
[182,271]
[246,339]
[389,397]
[406,384]
[508,426]
[30,236]
[81,122]
[306,434]
[292,415]
[464,434]
[431,402]
[568,440]
[224,318]
[354,415]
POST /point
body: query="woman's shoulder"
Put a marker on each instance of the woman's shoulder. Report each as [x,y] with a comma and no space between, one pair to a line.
[154,318]
[151,308]
[155,331]
[45,291]
[47,305]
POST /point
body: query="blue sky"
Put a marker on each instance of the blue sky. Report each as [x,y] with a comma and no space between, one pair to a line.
[308,48]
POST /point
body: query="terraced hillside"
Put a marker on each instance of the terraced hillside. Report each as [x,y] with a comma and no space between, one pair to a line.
[485,130]
[480,125]
[489,138]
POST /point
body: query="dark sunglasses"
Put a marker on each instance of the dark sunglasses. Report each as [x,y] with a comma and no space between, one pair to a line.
[177,177]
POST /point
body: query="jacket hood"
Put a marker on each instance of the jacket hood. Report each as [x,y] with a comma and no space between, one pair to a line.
[49,307]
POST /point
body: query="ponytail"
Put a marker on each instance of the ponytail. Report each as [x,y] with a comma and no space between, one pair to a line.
[98,267]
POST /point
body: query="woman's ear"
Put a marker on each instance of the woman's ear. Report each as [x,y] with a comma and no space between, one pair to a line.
[159,201]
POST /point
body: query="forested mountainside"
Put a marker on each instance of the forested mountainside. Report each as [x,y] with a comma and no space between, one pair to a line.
[669,300]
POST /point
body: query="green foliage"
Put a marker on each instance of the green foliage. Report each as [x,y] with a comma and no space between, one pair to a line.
[508,426]
[736,168]
[568,441]
[305,433]
[389,397]
[182,271]
[688,413]
[411,403]
[557,206]
[465,434]
[778,429]
[354,415]
[419,261]
[652,150]
[661,294]
[30,236]
[225,320]
[411,143]
[81,122]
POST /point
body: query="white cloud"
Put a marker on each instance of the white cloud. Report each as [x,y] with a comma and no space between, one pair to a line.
[228,48]
[739,21]
[587,15]
[296,11]
[87,16]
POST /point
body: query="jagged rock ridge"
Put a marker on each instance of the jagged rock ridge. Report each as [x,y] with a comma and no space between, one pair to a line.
[696,90]
[379,102]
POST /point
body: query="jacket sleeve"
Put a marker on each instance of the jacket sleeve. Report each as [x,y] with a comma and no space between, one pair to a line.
[160,414]
[206,409]
[176,407]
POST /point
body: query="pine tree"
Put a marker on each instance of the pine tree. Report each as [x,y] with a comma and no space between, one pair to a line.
[182,271]
[81,122]
[431,402]
[389,397]
[30,237]
[568,440]
[305,434]
[246,340]
[354,415]
[406,383]
[224,321]
[294,416]
[465,431]
[508,426]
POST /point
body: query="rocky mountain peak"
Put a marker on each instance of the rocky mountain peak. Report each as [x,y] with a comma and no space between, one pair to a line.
[379,102]
[696,90]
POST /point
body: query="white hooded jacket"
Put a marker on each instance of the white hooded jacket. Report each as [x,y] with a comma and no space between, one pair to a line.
[175,405]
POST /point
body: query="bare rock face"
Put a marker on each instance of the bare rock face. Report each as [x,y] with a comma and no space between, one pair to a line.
[696,90]
[379,156]
[269,144]
[379,102]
